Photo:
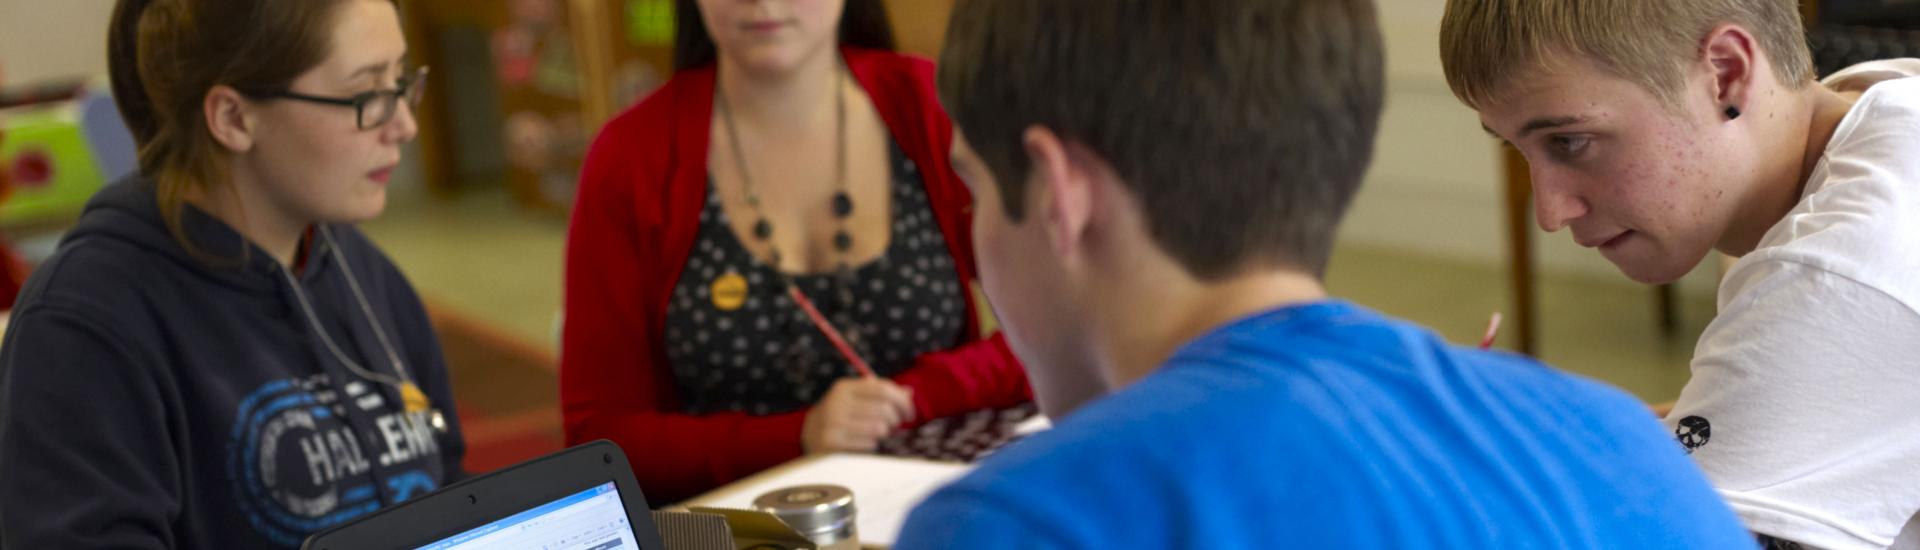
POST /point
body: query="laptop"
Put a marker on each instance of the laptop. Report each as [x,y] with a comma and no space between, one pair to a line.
[582,498]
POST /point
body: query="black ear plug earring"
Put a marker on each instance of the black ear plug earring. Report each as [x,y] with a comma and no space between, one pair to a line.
[1733,112]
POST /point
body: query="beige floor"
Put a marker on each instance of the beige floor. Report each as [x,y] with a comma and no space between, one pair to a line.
[479,256]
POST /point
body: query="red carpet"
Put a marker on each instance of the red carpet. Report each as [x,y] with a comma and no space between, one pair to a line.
[507,392]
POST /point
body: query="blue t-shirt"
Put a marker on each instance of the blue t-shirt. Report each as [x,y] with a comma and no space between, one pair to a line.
[1330,426]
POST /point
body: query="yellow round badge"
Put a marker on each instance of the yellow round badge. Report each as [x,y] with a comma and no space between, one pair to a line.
[729,291]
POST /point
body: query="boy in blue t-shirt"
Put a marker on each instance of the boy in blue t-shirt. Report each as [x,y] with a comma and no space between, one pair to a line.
[1157,186]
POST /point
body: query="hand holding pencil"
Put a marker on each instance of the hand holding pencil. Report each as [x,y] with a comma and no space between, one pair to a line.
[855,415]
[857,412]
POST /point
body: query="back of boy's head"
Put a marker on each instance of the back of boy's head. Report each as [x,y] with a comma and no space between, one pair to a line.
[1485,45]
[1243,127]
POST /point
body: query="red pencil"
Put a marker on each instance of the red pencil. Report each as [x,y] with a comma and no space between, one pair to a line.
[832,334]
[1493,328]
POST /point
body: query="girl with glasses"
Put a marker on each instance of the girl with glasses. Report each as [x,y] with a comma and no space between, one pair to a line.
[215,357]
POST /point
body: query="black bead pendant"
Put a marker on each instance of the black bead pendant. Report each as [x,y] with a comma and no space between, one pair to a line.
[842,241]
[762,229]
[842,205]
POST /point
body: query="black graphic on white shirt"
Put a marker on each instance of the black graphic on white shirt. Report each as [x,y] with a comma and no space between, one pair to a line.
[1693,432]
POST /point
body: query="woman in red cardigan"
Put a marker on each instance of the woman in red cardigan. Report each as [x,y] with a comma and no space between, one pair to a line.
[790,151]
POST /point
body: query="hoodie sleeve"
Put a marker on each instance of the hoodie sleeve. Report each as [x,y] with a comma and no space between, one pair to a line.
[85,439]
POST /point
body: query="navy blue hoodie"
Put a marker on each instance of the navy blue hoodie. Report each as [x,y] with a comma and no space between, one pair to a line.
[152,399]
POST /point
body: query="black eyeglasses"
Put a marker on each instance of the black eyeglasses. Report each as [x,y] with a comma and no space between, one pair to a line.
[371,109]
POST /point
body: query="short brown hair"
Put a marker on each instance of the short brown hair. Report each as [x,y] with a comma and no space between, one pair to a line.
[1244,126]
[1484,44]
[163,57]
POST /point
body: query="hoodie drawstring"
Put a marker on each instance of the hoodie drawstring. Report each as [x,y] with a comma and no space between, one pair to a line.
[414,399]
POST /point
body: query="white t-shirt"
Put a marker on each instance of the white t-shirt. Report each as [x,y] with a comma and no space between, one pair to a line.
[1804,407]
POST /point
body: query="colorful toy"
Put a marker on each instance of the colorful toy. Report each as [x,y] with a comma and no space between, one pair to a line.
[50,156]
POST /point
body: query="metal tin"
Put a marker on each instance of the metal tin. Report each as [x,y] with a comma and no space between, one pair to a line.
[822,513]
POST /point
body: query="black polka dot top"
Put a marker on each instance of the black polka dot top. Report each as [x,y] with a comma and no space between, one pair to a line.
[753,350]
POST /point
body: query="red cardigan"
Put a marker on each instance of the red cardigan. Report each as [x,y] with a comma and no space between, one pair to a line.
[634,223]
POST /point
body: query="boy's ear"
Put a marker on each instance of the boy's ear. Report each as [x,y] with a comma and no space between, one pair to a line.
[1729,53]
[1064,201]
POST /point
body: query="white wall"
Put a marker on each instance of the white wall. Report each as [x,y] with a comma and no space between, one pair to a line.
[53,39]
[1436,187]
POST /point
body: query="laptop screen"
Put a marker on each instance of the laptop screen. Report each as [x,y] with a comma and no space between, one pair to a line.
[594,519]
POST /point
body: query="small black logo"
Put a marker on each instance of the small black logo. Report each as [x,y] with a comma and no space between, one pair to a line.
[1693,432]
